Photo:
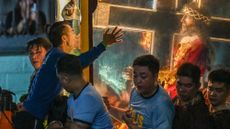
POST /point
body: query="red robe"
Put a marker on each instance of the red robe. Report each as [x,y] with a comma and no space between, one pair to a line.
[190,49]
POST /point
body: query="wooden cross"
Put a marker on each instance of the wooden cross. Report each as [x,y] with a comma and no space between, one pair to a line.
[164,22]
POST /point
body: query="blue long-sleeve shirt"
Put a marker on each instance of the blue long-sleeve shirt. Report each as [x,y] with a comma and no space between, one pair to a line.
[46,86]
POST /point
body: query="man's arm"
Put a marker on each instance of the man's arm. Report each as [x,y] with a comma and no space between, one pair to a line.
[76,125]
[88,57]
[108,38]
[116,112]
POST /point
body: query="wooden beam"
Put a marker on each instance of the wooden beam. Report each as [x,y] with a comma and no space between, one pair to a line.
[85,32]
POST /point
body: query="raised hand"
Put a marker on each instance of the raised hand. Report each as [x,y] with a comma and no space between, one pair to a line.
[106,102]
[112,37]
[127,117]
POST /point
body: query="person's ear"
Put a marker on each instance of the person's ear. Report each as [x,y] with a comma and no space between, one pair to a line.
[65,78]
[155,76]
[64,39]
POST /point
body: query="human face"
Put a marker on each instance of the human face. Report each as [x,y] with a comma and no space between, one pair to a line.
[217,93]
[69,82]
[187,22]
[65,81]
[186,88]
[73,40]
[144,80]
[37,55]
[24,5]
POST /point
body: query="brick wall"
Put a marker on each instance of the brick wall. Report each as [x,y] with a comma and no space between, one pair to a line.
[15,74]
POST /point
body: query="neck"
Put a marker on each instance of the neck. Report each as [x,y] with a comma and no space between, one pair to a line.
[65,48]
[189,31]
[192,101]
[79,88]
[62,48]
[153,91]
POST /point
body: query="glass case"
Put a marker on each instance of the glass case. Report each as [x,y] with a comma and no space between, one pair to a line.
[112,73]
[149,26]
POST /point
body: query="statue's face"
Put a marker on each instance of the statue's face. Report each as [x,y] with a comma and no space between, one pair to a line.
[187,22]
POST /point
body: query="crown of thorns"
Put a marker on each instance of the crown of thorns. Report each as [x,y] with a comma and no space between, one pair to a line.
[196,15]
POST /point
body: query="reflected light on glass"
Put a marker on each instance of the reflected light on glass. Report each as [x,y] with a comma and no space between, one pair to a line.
[111,79]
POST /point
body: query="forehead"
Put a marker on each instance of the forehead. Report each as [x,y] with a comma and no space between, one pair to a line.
[138,68]
[68,28]
[36,47]
[216,84]
[184,79]
[187,16]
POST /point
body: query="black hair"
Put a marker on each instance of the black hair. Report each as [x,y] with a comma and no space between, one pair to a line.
[220,75]
[41,42]
[69,64]
[56,31]
[150,61]
[189,70]
[58,109]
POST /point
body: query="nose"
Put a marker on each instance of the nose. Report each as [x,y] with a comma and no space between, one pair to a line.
[211,93]
[180,89]
[137,80]
[33,56]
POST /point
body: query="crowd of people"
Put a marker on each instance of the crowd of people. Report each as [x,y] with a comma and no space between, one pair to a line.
[24,18]
[150,105]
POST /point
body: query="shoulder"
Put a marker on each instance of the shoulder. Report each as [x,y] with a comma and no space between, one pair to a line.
[162,95]
[134,95]
[54,54]
[199,41]
[88,100]
[221,114]
[90,95]
[221,118]
[192,39]
[163,100]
